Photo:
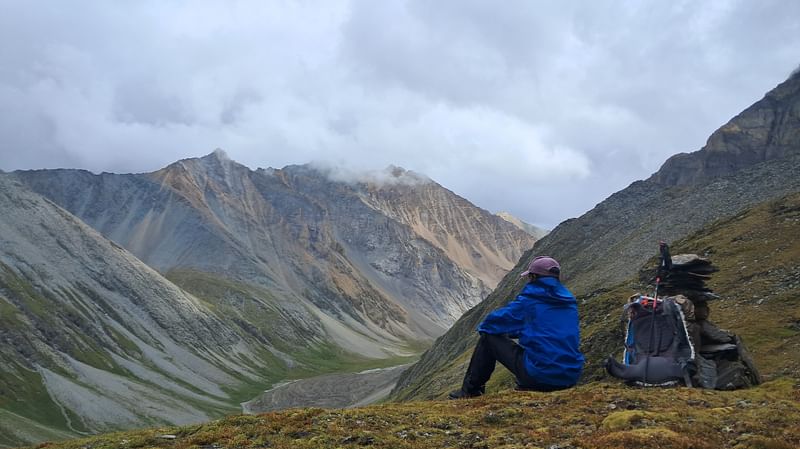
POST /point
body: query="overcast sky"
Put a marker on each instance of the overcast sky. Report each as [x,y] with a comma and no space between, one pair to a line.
[534,107]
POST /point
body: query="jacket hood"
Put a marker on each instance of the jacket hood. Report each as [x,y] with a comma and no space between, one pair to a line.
[549,288]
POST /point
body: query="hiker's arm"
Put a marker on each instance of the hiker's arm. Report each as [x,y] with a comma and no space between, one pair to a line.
[508,320]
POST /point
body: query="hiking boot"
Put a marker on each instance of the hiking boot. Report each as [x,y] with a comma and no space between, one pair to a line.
[461,394]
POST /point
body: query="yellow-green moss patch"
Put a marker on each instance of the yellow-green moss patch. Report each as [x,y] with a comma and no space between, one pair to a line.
[626,419]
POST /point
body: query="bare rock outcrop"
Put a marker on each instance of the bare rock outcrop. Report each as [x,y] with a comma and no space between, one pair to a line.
[767,130]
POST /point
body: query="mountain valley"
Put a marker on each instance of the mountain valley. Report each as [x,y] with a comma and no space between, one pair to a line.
[200,285]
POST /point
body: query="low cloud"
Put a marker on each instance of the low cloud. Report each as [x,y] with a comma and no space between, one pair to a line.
[389,176]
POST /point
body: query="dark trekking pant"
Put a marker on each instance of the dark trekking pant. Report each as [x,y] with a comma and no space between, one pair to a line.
[496,348]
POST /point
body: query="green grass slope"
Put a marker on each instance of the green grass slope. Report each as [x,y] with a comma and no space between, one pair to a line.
[758,253]
[258,313]
[16,430]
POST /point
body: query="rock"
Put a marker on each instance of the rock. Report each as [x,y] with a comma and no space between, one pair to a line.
[767,130]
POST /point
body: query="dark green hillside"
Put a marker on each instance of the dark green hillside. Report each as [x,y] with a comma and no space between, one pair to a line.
[758,254]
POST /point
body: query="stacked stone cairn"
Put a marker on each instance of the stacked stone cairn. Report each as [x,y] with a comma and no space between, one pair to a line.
[718,350]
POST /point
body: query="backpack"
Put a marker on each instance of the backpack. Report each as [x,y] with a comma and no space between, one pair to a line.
[658,350]
[670,341]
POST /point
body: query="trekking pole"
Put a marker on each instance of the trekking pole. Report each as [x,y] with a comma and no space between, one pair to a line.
[664,265]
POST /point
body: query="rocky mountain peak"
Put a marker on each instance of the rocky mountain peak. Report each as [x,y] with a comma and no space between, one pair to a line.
[214,171]
[218,154]
[399,175]
[393,175]
[217,162]
[767,130]
[534,231]
[396,171]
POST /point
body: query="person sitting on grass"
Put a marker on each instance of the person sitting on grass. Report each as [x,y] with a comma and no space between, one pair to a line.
[544,317]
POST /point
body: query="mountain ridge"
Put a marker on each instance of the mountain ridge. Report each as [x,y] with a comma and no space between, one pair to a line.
[609,243]
[764,131]
[201,191]
[535,231]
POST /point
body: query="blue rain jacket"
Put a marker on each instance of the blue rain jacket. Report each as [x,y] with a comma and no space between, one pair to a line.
[544,317]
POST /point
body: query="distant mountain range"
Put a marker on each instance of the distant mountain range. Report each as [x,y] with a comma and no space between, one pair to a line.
[170,297]
[753,159]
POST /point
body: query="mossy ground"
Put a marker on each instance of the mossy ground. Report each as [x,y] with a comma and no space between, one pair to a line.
[595,415]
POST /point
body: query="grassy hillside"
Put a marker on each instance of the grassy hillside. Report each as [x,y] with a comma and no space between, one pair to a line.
[597,415]
[259,313]
[758,254]
[753,159]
